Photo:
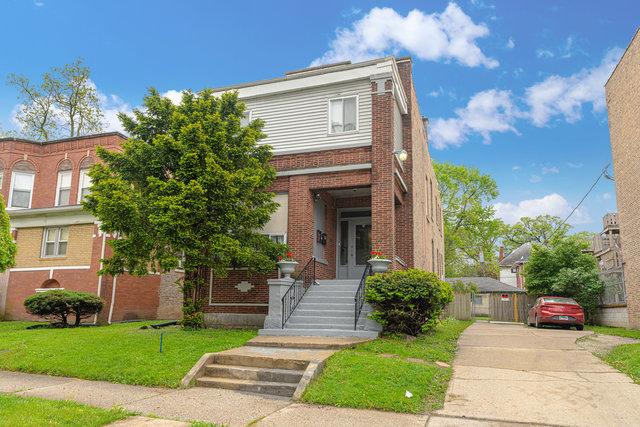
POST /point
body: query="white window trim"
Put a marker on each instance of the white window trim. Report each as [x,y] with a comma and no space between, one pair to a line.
[56,242]
[58,186]
[284,236]
[13,174]
[250,116]
[357,129]
[85,170]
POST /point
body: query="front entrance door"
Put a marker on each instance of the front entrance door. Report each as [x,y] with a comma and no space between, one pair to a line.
[354,246]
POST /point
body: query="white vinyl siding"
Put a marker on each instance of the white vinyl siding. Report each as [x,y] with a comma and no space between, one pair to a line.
[298,121]
[21,190]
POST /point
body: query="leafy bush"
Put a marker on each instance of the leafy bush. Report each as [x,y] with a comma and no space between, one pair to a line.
[58,305]
[407,301]
[565,271]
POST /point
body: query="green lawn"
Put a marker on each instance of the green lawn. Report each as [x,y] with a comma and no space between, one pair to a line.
[30,411]
[376,374]
[120,353]
[608,330]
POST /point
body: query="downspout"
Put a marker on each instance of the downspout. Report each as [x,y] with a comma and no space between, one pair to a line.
[104,244]
[113,298]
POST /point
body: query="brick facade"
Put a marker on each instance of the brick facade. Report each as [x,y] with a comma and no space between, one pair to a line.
[623,107]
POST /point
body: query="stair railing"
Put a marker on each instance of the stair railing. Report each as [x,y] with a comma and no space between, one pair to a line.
[298,288]
[359,298]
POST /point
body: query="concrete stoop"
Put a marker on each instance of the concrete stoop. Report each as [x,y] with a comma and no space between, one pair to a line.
[279,366]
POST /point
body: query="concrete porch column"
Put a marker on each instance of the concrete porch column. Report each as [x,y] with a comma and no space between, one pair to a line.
[277,289]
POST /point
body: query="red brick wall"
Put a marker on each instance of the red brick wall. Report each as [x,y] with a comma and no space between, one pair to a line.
[224,291]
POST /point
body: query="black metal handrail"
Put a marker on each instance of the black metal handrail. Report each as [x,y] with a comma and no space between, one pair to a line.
[359,298]
[298,288]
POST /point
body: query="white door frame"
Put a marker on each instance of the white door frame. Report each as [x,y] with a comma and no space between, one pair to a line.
[339,232]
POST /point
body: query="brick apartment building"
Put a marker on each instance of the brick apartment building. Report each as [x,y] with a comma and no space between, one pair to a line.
[339,135]
[623,105]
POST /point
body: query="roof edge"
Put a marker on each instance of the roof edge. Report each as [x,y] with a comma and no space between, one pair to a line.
[56,141]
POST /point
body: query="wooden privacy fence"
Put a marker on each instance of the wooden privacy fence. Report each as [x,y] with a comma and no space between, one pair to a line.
[460,308]
[509,306]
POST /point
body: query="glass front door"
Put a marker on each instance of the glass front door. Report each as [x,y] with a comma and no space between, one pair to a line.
[354,247]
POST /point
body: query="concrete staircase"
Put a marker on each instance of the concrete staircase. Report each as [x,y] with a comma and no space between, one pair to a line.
[327,309]
[253,373]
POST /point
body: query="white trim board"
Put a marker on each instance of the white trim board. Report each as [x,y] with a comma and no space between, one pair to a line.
[327,169]
[64,267]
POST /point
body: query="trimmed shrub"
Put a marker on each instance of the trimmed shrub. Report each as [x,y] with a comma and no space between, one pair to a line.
[407,301]
[56,306]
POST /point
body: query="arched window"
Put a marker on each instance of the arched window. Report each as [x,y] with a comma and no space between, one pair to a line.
[63,188]
[85,181]
[22,178]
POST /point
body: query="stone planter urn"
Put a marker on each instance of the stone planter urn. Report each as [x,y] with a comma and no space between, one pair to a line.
[379,265]
[287,267]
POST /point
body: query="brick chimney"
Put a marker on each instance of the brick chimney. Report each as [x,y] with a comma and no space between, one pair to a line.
[501,254]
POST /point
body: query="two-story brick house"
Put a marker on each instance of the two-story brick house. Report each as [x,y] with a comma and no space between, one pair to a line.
[353,173]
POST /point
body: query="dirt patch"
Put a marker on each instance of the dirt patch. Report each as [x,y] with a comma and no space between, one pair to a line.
[603,344]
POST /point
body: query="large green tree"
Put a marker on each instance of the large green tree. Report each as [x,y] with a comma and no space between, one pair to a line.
[65,103]
[565,270]
[471,230]
[190,183]
[7,245]
[544,229]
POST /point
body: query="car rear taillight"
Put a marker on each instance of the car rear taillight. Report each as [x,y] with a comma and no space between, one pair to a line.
[545,309]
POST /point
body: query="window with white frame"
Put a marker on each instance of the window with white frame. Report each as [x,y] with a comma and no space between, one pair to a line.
[343,114]
[21,190]
[55,241]
[246,118]
[84,184]
[278,238]
[63,190]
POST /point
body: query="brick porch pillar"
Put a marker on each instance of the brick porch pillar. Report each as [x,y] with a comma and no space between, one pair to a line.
[300,237]
[382,180]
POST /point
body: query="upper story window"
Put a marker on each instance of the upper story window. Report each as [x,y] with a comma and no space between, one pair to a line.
[63,189]
[83,184]
[343,114]
[55,241]
[246,118]
[21,191]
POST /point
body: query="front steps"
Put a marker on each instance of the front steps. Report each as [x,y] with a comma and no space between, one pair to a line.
[253,373]
[328,309]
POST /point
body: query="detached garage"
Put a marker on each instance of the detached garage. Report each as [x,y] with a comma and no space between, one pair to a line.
[495,298]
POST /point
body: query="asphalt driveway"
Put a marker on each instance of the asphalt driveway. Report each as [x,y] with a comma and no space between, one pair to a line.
[514,374]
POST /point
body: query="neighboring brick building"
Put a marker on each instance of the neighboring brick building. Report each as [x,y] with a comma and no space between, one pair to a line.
[60,245]
[340,135]
[606,247]
[623,105]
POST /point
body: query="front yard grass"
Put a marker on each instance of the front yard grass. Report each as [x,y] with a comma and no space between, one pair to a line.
[35,412]
[609,330]
[625,357]
[119,353]
[377,374]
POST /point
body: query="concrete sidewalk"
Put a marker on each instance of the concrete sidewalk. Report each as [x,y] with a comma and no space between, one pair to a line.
[218,406]
[507,374]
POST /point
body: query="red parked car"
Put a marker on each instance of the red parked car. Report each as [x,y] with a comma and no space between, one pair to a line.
[561,311]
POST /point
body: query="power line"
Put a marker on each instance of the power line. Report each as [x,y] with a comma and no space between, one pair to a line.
[603,173]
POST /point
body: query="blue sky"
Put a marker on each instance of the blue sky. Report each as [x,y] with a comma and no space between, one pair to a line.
[514,88]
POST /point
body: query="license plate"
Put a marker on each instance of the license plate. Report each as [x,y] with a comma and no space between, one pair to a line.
[563,317]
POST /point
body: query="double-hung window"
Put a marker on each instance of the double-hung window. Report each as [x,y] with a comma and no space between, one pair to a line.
[21,190]
[84,184]
[343,114]
[55,241]
[63,190]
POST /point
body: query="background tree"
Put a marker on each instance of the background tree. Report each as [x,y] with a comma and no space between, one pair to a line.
[64,103]
[7,246]
[191,181]
[564,270]
[543,229]
[471,230]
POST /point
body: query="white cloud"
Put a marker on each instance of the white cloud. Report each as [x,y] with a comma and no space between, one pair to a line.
[606,196]
[511,43]
[486,112]
[535,179]
[564,96]
[516,168]
[550,169]
[450,35]
[544,53]
[111,106]
[573,165]
[38,3]
[551,204]
[174,95]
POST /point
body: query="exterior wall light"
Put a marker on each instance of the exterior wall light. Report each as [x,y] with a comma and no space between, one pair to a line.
[402,155]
